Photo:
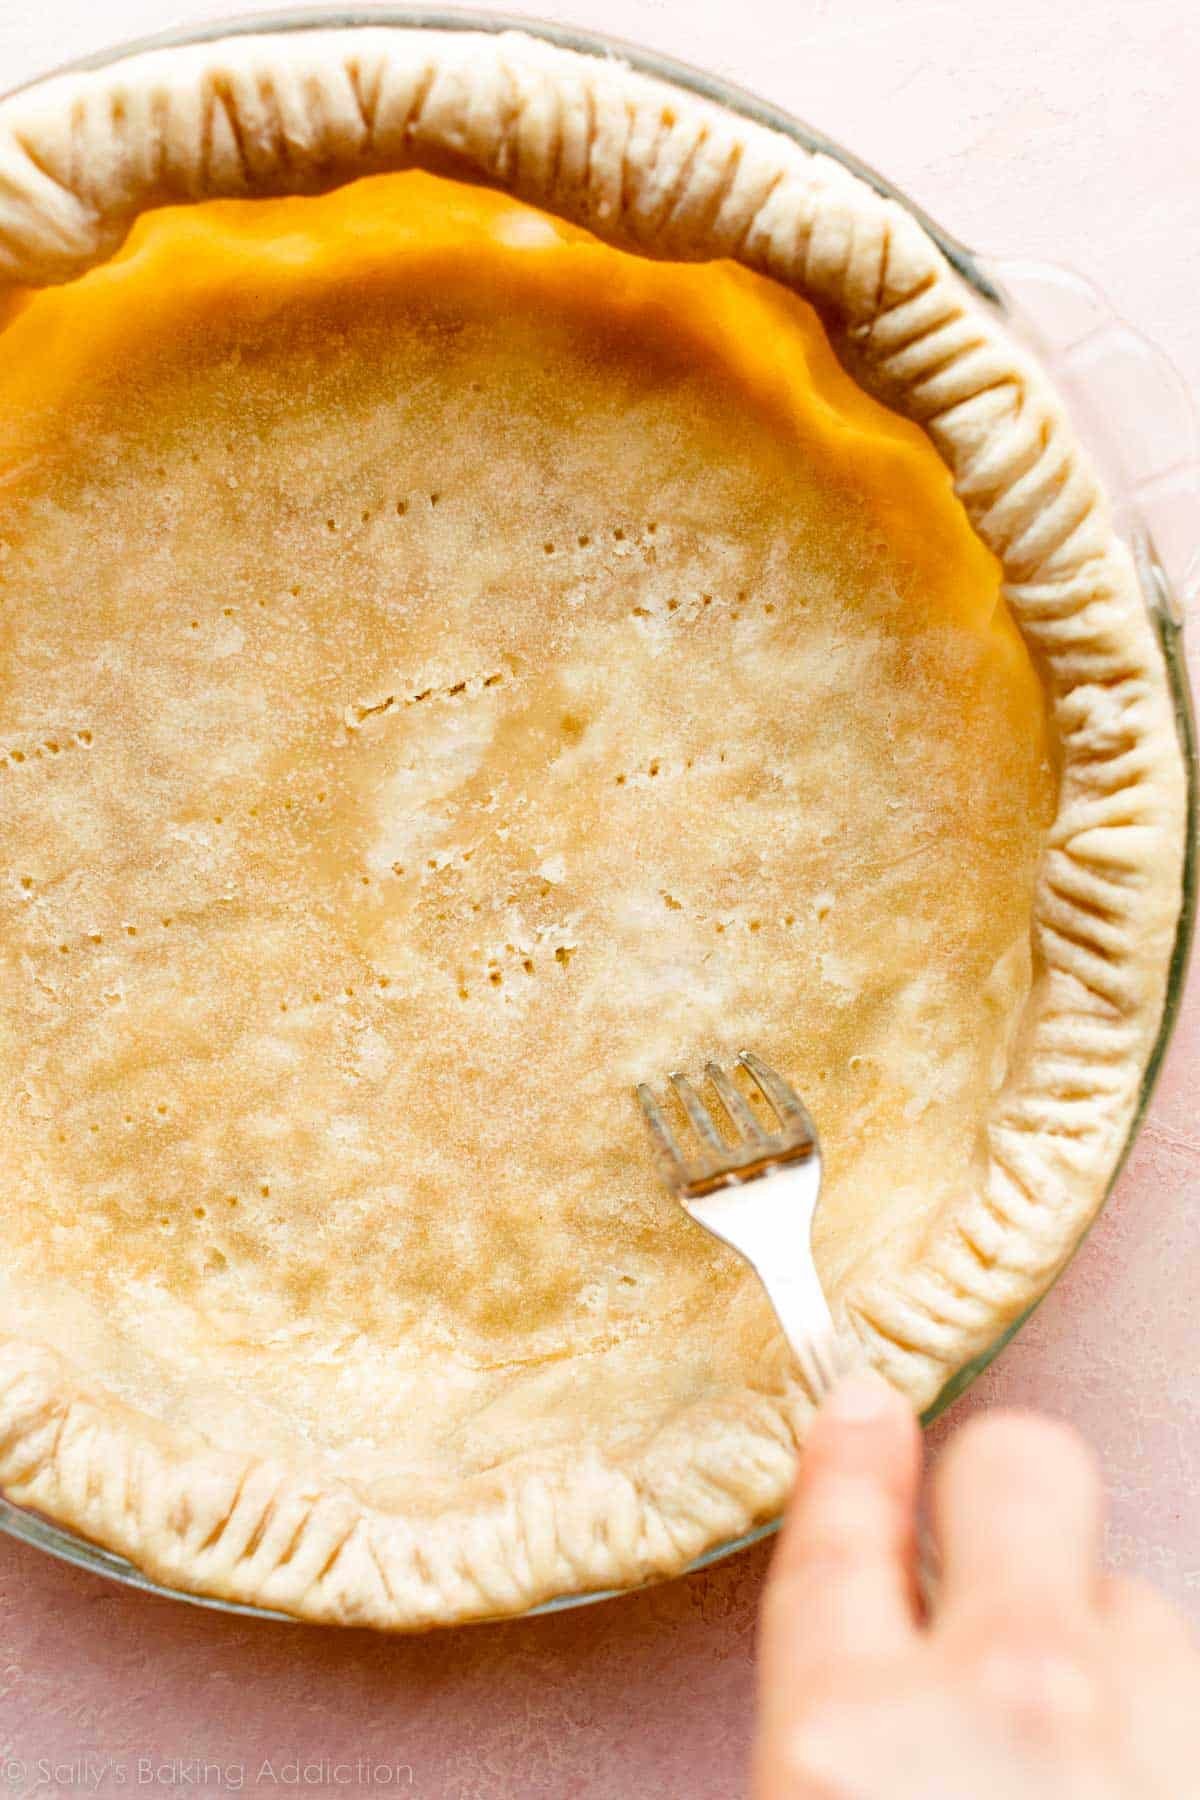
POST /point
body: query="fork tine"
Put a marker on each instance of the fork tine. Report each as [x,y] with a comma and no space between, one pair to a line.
[667,1150]
[698,1113]
[824,1356]
[810,1369]
[735,1104]
[823,1359]
[792,1111]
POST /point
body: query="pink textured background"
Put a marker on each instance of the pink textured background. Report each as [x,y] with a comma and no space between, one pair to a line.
[1064,132]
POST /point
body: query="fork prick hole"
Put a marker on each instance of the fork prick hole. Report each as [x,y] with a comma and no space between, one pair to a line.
[761,1110]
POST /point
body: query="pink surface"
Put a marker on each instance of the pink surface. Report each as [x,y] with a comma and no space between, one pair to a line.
[1066,133]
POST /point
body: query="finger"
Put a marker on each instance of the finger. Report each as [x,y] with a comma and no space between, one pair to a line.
[1018,1506]
[1157,1709]
[841,1584]
[1145,1621]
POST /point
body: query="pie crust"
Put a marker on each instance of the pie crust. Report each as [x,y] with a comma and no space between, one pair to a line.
[649,169]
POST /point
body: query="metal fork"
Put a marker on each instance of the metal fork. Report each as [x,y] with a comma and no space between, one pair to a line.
[756,1188]
[758,1193]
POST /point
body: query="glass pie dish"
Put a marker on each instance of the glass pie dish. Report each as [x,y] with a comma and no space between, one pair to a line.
[1106,372]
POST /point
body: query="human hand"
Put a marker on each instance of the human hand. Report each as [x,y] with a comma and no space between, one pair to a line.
[1035,1677]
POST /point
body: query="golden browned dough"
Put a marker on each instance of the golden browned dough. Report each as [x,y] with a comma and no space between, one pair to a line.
[450,671]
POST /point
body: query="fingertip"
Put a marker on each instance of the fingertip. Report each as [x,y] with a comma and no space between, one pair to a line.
[865,1436]
[863,1397]
[1018,1500]
[866,1424]
[842,1577]
[1014,1447]
[1144,1617]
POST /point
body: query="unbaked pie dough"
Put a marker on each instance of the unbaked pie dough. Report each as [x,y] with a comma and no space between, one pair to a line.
[452,669]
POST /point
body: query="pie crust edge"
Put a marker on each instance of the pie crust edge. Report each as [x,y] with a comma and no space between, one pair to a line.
[652,169]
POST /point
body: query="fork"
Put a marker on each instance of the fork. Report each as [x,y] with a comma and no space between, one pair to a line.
[756,1189]
[758,1193]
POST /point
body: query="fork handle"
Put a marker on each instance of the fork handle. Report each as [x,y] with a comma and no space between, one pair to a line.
[768,1221]
[799,1301]
[800,1305]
